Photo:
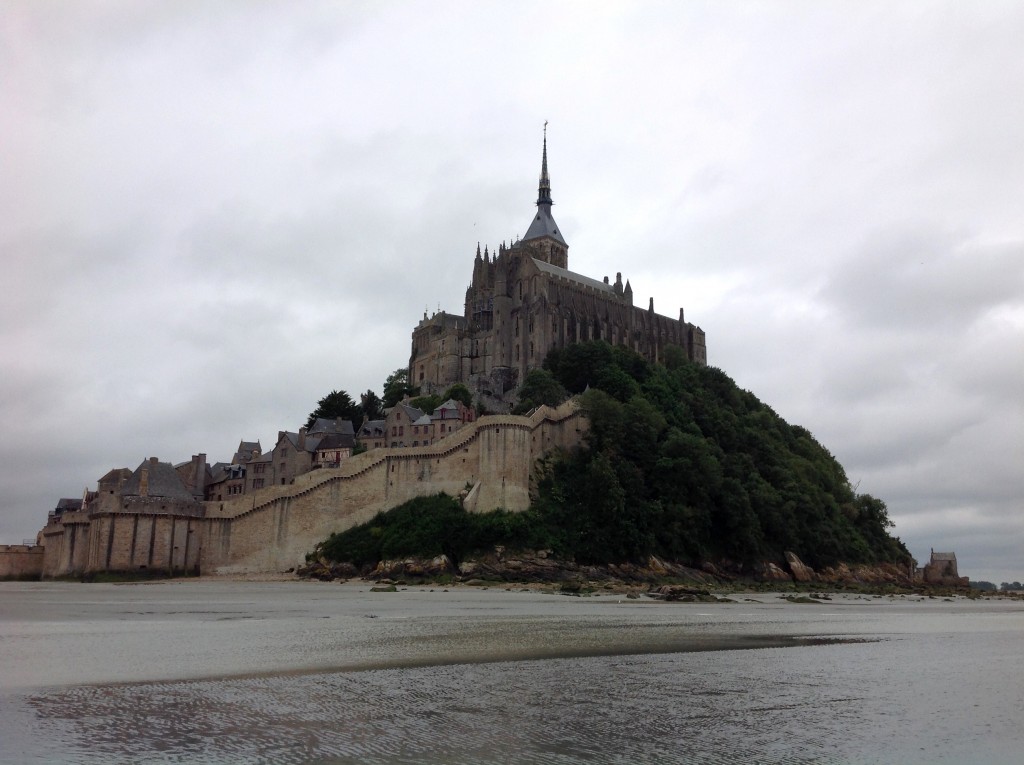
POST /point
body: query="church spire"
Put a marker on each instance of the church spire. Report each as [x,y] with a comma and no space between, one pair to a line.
[543,225]
[544,192]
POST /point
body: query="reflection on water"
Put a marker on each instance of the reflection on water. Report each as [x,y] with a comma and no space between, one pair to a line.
[917,692]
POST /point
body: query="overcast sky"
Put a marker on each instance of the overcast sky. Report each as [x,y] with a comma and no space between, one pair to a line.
[212,214]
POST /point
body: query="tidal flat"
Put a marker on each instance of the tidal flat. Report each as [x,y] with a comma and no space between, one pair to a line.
[217,671]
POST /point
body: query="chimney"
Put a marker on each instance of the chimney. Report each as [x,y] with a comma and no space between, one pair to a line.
[199,474]
[682,319]
[651,306]
[302,439]
[144,482]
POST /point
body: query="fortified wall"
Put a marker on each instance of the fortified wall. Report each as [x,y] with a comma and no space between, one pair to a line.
[489,462]
[21,561]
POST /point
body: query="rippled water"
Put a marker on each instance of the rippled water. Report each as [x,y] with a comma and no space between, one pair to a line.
[338,674]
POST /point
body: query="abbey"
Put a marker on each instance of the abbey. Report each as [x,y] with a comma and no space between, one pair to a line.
[524,301]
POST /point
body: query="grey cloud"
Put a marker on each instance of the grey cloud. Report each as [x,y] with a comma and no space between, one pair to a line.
[923,279]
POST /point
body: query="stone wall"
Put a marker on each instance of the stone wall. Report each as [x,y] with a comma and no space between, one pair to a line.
[493,457]
[21,561]
[272,529]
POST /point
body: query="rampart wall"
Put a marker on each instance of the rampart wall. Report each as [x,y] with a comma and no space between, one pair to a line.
[488,461]
[21,561]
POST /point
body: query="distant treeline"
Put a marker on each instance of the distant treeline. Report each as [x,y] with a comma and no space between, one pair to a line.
[679,462]
[1004,587]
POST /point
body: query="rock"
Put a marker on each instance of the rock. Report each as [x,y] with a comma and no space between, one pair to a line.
[800,571]
[412,568]
[384,588]
[326,572]
[766,571]
[679,593]
[573,587]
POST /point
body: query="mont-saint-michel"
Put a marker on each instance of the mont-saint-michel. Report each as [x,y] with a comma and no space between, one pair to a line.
[591,425]
[246,328]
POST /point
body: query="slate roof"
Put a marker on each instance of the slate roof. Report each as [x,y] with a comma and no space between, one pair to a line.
[311,442]
[410,411]
[245,450]
[67,505]
[943,556]
[163,481]
[115,475]
[543,225]
[372,428]
[572,276]
[451,405]
[325,425]
[337,441]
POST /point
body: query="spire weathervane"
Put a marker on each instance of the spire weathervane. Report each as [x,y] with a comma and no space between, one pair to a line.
[544,192]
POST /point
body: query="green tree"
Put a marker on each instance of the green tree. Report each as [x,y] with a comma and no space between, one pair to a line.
[335,404]
[458,392]
[371,405]
[426,404]
[397,386]
[539,387]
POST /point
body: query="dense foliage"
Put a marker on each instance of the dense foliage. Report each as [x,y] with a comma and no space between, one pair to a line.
[336,404]
[431,526]
[683,464]
[679,462]
[428,404]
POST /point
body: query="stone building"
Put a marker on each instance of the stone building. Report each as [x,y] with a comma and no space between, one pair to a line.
[522,302]
[941,569]
[372,434]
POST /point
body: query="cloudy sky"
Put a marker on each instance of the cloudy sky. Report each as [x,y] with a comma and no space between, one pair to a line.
[212,214]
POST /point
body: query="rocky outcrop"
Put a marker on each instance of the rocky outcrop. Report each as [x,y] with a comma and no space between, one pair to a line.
[800,571]
[413,568]
[679,594]
[874,575]
[327,571]
[541,566]
[766,571]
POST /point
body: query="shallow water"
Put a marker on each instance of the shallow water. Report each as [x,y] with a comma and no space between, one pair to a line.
[214,672]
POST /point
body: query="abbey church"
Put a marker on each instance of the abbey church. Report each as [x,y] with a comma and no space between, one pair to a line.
[524,301]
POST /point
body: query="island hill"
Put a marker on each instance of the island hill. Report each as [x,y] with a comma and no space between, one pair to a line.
[680,474]
[604,439]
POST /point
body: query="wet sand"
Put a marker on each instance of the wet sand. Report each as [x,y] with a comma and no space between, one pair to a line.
[68,633]
[215,671]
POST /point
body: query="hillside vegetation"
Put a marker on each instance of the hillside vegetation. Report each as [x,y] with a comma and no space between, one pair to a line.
[679,463]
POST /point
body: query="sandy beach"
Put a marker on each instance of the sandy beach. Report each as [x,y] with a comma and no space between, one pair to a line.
[249,626]
[227,670]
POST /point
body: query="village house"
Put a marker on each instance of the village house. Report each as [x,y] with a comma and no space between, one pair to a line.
[372,434]
[399,424]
